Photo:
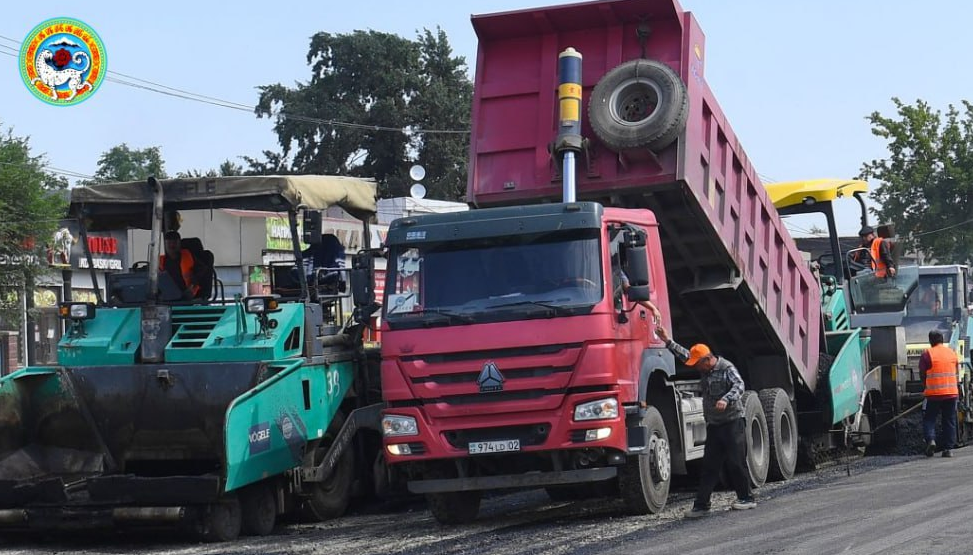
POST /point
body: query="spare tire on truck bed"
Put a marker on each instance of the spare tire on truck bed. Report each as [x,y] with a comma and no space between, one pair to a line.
[639,104]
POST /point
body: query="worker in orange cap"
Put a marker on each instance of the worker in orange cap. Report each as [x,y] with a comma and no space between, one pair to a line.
[725,432]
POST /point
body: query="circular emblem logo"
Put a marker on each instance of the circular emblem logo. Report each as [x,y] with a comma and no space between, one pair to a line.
[62,61]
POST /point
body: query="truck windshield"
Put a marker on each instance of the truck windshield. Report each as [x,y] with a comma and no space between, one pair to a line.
[494,279]
[930,306]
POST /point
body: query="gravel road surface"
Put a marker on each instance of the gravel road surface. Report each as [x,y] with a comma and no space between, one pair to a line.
[883,504]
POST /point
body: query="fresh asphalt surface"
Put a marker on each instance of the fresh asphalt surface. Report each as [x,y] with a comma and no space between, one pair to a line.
[883,505]
[920,506]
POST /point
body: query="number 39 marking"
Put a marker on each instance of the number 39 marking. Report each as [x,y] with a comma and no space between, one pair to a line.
[334,382]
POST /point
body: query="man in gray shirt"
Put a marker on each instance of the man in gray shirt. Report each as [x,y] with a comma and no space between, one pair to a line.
[725,431]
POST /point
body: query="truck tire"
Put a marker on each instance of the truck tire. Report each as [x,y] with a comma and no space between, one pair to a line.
[329,499]
[259,509]
[644,480]
[782,432]
[222,521]
[755,428]
[453,507]
[639,104]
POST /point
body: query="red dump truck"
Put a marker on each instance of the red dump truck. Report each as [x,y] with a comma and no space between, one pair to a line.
[512,358]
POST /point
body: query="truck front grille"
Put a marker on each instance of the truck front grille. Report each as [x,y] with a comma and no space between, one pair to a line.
[528,434]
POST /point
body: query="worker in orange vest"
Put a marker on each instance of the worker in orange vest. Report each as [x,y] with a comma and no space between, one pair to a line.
[938,367]
[179,264]
[879,252]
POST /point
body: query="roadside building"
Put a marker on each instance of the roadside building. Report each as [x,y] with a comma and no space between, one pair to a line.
[66,260]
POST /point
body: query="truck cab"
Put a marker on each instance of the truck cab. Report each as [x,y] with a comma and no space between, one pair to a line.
[532,327]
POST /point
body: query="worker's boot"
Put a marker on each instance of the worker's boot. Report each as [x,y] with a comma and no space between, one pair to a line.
[697,512]
[947,453]
[930,447]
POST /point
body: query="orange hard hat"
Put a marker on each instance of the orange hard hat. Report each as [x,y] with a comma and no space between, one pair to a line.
[697,352]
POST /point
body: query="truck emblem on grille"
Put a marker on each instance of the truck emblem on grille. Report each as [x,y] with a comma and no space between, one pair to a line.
[490,378]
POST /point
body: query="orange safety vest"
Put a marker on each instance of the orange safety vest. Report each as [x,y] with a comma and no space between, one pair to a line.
[186,264]
[877,263]
[941,375]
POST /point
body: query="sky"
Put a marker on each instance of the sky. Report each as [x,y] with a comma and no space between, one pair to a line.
[795,79]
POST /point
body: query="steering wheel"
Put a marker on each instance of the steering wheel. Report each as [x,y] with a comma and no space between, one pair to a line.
[578,282]
[857,266]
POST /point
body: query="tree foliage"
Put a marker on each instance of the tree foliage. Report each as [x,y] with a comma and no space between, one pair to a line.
[32,202]
[122,163]
[926,182]
[226,169]
[369,110]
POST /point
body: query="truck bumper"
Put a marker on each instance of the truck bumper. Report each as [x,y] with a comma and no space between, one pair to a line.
[507,481]
[537,431]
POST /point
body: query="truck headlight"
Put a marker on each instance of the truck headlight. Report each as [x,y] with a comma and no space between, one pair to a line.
[602,409]
[394,426]
[400,449]
[261,305]
[76,311]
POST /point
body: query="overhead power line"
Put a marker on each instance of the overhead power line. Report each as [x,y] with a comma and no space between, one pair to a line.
[53,169]
[144,84]
[930,232]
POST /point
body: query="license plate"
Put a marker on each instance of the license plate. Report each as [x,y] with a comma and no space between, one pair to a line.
[485,447]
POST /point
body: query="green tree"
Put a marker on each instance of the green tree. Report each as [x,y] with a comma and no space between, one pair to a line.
[926,181]
[273,163]
[369,110]
[122,163]
[32,202]
[443,104]
[226,169]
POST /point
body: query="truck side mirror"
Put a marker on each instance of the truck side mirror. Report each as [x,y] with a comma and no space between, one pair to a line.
[634,258]
[636,266]
[634,238]
[637,293]
[363,285]
[312,227]
[637,270]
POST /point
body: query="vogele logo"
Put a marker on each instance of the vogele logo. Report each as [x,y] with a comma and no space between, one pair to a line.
[63,61]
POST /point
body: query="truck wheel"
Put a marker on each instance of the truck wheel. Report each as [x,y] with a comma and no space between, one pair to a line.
[453,507]
[758,448]
[329,499]
[782,431]
[644,480]
[259,509]
[222,521]
[639,104]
